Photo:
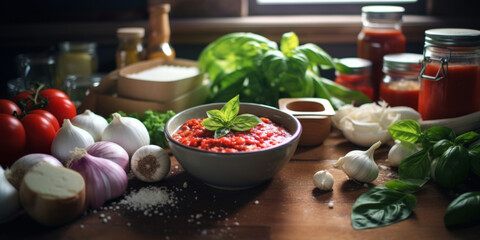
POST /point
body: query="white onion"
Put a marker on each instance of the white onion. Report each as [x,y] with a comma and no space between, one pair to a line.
[92,123]
[104,179]
[67,138]
[110,151]
[18,169]
[150,163]
[127,132]
[9,198]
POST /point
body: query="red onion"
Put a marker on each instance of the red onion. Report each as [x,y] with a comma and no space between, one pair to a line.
[104,179]
[110,151]
[22,165]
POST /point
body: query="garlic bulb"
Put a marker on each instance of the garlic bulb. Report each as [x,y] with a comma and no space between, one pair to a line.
[323,180]
[110,151]
[104,179]
[92,123]
[150,163]
[127,132]
[9,198]
[369,123]
[399,151]
[360,165]
[67,138]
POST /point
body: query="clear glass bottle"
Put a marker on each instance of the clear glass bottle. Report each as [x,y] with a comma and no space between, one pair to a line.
[400,86]
[159,32]
[79,59]
[358,78]
[130,46]
[450,76]
[381,34]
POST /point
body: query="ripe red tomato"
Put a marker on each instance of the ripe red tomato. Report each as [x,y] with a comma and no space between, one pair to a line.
[39,132]
[61,108]
[52,93]
[52,119]
[8,107]
[12,140]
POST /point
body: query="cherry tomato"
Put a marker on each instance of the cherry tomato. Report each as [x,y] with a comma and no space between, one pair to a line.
[52,119]
[12,140]
[61,108]
[52,93]
[39,131]
[8,107]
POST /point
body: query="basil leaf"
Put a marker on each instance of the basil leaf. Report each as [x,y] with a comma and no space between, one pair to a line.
[316,55]
[231,109]
[406,131]
[221,132]
[244,122]
[415,166]
[463,210]
[467,138]
[435,134]
[475,160]
[216,114]
[440,147]
[406,185]
[452,167]
[381,206]
[288,43]
[212,124]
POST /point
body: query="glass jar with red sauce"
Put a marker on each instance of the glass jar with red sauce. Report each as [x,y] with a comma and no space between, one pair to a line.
[381,34]
[359,76]
[400,86]
[450,76]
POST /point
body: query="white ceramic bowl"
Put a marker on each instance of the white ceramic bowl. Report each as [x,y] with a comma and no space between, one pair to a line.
[234,170]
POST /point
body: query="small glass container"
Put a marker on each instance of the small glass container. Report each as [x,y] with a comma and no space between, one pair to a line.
[130,46]
[78,59]
[77,87]
[381,34]
[450,76]
[36,68]
[400,86]
[358,78]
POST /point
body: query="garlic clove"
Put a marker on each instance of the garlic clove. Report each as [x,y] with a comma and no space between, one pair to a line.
[69,137]
[323,180]
[364,133]
[9,198]
[128,132]
[92,123]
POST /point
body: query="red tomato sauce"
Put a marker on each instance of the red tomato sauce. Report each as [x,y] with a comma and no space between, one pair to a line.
[373,44]
[454,96]
[396,97]
[264,135]
[356,82]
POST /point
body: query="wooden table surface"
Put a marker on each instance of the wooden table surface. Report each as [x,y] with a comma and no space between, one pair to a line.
[285,207]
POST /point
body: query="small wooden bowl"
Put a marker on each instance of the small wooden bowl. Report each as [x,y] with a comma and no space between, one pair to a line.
[314,115]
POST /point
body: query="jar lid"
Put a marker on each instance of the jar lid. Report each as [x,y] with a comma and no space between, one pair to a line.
[357,65]
[452,37]
[130,32]
[383,12]
[406,62]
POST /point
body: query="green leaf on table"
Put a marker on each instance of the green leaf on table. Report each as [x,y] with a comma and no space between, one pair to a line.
[406,131]
[463,210]
[406,185]
[381,206]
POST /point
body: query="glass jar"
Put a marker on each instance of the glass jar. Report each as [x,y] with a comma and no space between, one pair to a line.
[159,32]
[130,46]
[450,76]
[36,68]
[78,59]
[358,78]
[381,34]
[400,86]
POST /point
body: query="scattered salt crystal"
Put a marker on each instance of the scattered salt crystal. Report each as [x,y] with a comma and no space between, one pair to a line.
[236,223]
[102,215]
[104,220]
[129,224]
[185,185]
[81,226]
[330,204]
[383,167]
[165,73]
[199,215]
[257,202]
[365,185]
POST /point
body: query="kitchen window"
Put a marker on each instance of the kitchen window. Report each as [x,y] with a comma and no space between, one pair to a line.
[328,7]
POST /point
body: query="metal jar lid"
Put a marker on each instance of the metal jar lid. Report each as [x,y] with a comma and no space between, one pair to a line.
[405,62]
[357,65]
[459,37]
[383,12]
